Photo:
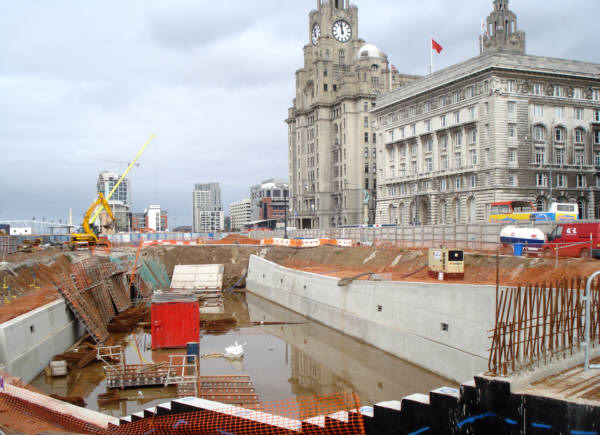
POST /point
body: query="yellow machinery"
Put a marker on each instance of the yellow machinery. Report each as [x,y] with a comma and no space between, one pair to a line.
[88,238]
[446,263]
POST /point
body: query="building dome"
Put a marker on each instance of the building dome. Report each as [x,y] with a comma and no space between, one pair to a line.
[369,51]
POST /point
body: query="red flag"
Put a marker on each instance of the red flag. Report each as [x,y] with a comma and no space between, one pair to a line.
[437,47]
[394,69]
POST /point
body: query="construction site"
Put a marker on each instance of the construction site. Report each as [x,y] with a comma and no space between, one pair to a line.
[244,335]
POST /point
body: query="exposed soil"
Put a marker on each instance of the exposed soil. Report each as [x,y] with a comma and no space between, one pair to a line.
[32,289]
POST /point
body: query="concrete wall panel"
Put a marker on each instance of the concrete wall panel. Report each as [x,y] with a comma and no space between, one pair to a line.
[406,319]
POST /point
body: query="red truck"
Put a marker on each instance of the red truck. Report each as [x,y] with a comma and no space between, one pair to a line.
[574,240]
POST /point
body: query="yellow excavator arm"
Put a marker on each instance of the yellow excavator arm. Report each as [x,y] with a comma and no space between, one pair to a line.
[88,237]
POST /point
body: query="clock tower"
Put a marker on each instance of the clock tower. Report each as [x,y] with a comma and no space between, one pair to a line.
[331,141]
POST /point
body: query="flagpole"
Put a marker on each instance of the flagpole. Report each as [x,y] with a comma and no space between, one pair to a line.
[431,55]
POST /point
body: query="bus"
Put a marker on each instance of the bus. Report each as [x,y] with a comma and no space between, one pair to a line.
[519,211]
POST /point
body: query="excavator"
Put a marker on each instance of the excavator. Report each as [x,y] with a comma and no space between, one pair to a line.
[88,238]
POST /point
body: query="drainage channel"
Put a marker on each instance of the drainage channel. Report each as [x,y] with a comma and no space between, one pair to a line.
[285,355]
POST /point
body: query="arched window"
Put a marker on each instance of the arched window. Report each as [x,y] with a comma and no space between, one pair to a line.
[559,134]
[540,203]
[582,204]
[539,133]
[443,212]
[471,209]
[342,57]
[457,211]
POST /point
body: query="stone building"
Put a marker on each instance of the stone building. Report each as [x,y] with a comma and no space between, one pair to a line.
[331,139]
[501,126]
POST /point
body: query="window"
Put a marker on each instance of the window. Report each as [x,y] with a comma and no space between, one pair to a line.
[444,142]
[559,156]
[559,112]
[366,122]
[577,93]
[458,159]
[578,114]
[366,168]
[412,111]
[456,117]
[365,107]
[413,129]
[597,115]
[557,91]
[367,153]
[473,157]
[444,162]
[471,91]
[473,136]
[428,145]
[540,155]
[427,125]
[538,110]
[374,153]
[366,137]
[325,87]
[510,86]
[597,159]
[561,180]
[512,107]
[541,180]
[427,106]
[457,183]
[581,180]
[559,134]
[512,130]
[375,81]
[539,133]
[455,97]
[537,89]
[487,108]
[443,101]
[375,138]
[374,168]
[366,183]
[579,159]
[444,184]
[512,180]
[512,155]
[458,136]
[443,120]
[596,94]
[473,181]
[579,135]
[341,57]
[472,113]
[428,164]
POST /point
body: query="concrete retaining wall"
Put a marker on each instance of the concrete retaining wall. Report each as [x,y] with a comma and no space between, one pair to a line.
[28,342]
[440,327]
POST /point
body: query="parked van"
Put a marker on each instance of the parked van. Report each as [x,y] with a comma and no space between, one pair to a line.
[573,240]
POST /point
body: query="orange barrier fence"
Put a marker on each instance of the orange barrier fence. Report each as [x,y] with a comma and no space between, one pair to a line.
[307,415]
[306,243]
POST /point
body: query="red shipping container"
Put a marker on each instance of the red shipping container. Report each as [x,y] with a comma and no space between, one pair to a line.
[175,321]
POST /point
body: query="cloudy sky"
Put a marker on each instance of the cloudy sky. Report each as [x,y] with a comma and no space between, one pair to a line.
[83,84]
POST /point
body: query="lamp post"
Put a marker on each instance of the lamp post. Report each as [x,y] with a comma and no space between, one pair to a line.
[285,200]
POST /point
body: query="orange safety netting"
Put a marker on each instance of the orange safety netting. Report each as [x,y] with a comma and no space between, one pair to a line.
[28,417]
[334,414]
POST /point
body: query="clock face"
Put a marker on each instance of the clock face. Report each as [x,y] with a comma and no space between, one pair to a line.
[316,33]
[342,31]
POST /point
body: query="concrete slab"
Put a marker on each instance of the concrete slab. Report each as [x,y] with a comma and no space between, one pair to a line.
[198,277]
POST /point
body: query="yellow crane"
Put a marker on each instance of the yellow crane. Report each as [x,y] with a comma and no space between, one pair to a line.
[88,237]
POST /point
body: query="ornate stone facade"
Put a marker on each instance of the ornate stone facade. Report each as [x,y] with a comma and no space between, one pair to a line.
[501,126]
[331,137]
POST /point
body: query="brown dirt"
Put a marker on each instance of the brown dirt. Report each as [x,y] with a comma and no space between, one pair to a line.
[236,239]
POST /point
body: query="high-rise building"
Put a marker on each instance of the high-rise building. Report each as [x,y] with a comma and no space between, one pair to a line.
[331,137]
[207,208]
[272,191]
[120,201]
[240,214]
[501,126]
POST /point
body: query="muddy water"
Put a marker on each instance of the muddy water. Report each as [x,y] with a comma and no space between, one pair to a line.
[294,357]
